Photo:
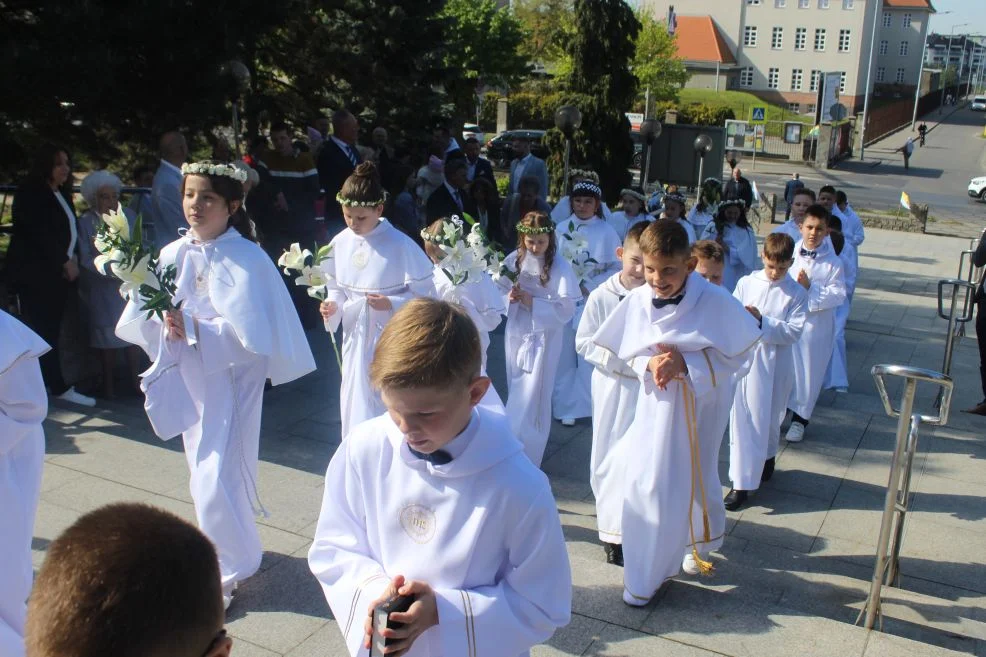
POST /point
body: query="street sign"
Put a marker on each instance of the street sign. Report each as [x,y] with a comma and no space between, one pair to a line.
[758,114]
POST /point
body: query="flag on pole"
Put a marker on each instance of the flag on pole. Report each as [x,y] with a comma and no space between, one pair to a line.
[672,20]
[905,200]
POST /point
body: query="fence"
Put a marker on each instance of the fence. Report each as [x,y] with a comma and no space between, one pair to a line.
[887,119]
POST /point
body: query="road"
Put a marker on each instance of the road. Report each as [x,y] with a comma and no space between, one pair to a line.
[939,174]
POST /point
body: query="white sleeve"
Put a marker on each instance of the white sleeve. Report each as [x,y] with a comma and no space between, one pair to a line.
[422,288]
[551,313]
[23,402]
[136,328]
[827,294]
[785,331]
[528,603]
[339,556]
[217,343]
[603,359]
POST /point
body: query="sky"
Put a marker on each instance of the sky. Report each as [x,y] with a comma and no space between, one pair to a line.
[963,11]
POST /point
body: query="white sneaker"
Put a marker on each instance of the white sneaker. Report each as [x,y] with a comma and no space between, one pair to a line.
[690,566]
[228,595]
[632,601]
[795,433]
[568,421]
[74,397]
[227,601]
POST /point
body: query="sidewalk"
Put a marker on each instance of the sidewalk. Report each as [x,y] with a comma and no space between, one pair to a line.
[796,564]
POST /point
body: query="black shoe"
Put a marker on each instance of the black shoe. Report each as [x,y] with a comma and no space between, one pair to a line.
[735,499]
[614,554]
[768,469]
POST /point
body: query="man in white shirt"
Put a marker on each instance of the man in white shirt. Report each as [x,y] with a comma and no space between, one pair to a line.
[166,207]
[526,164]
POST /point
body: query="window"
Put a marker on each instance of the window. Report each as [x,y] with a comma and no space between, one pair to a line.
[844,39]
[881,73]
[900,76]
[847,4]
[887,19]
[884,47]
[903,48]
[906,23]
[746,77]
[780,4]
[753,2]
[797,78]
[800,38]
[773,76]
[794,107]
[823,4]
[815,77]
[804,4]
[820,39]
[750,36]
[810,109]
[777,38]
[842,82]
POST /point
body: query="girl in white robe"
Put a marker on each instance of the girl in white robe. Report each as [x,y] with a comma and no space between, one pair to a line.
[663,471]
[374,269]
[761,397]
[674,210]
[236,328]
[731,229]
[582,238]
[837,374]
[23,407]
[705,210]
[540,302]
[631,212]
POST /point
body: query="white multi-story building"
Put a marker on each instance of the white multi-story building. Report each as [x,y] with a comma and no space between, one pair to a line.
[783,47]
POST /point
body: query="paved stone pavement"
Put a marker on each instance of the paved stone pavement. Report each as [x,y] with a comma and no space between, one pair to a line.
[796,563]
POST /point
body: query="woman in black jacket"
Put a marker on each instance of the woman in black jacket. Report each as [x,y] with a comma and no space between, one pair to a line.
[42,265]
[979,260]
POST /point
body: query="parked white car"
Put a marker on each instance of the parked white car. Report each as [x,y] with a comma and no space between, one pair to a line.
[977,188]
[472,130]
[979,104]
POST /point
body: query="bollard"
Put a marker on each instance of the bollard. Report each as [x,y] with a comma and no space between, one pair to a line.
[886,571]
[953,319]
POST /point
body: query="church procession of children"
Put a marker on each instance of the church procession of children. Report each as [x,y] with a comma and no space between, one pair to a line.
[667,327]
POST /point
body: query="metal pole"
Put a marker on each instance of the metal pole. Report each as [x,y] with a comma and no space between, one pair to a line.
[869,72]
[948,61]
[236,126]
[568,146]
[646,177]
[647,103]
[698,185]
[717,76]
[917,87]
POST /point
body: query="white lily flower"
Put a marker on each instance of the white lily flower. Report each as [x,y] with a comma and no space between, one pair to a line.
[294,258]
[136,277]
[115,256]
[117,222]
[319,292]
[311,277]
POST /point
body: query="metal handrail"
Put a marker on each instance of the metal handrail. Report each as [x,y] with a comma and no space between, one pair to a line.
[954,320]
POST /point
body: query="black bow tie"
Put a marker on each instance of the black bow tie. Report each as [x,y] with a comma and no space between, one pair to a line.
[809,254]
[438,457]
[673,301]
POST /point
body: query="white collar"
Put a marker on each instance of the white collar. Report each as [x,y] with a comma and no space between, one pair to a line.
[452,190]
[458,445]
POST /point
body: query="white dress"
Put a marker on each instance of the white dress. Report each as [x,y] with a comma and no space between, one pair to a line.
[532,343]
[482,530]
[837,374]
[814,350]
[572,397]
[385,261]
[622,224]
[741,251]
[699,220]
[666,439]
[563,210]
[761,397]
[241,329]
[23,407]
[614,396]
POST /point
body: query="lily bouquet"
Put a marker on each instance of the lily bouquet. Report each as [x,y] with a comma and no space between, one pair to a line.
[575,249]
[135,265]
[308,266]
[466,254]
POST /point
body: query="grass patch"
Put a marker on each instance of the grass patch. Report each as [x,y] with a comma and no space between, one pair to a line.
[741,103]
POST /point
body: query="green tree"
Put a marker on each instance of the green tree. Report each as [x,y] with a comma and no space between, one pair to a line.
[603,87]
[483,43]
[656,63]
[549,26]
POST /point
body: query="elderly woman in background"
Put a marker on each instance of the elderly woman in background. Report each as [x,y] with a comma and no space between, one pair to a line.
[101,294]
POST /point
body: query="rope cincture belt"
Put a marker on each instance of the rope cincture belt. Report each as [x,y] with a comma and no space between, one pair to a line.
[704,567]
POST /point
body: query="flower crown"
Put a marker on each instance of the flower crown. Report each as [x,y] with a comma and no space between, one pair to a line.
[209,169]
[350,203]
[738,202]
[583,174]
[676,197]
[524,229]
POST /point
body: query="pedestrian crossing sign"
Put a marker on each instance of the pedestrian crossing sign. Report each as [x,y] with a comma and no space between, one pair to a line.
[758,114]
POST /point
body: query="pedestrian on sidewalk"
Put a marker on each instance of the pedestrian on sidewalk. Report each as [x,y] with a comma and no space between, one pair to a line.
[907,149]
[923,132]
[979,259]
[790,188]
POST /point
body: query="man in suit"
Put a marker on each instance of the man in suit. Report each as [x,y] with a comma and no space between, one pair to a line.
[452,197]
[738,187]
[167,212]
[790,187]
[479,167]
[525,164]
[336,162]
[979,260]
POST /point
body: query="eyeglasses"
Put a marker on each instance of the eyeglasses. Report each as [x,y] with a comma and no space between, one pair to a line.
[215,642]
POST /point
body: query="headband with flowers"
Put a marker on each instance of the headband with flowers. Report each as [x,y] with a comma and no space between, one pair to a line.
[738,202]
[633,193]
[584,174]
[534,230]
[350,203]
[676,197]
[210,169]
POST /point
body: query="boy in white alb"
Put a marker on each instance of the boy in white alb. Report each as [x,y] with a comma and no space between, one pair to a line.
[779,304]
[23,407]
[614,393]
[819,270]
[803,199]
[837,374]
[682,336]
[852,225]
[589,244]
[437,500]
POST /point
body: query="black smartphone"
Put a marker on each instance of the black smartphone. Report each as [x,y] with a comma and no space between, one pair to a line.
[381,621]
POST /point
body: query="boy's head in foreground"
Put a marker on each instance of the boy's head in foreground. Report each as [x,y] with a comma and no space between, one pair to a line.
[777,256]
[632,275]
[427,367]
[668,258]
[711,260]
[128,579]
[814,227]
[802,200]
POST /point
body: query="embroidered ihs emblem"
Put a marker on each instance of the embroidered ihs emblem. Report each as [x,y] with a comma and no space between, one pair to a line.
[418,522]
[360,258]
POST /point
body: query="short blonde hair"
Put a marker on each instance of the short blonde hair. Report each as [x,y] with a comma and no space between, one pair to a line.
[709,250]
[427,344]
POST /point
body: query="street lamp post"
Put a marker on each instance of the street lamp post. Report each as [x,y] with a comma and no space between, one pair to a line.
[650,130]
[568,118]
[869,73]
[702,146]
[948,61]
